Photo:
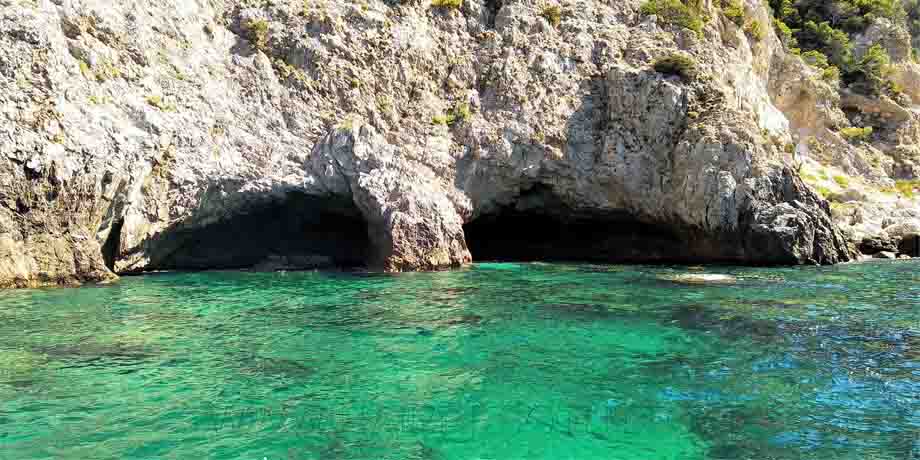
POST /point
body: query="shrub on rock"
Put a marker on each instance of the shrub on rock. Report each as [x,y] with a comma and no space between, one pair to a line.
[857,134]
[257,33]
[453,4]
[677,64]
[675,12]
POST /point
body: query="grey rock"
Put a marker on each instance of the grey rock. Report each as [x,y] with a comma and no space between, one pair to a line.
[905,229]
[140,136]
[876,244]
[848,195]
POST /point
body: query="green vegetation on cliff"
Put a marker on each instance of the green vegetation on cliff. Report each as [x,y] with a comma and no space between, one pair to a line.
[677,64]
[676,12]
[821,30]
[857,134]
[848,16]
[824,28]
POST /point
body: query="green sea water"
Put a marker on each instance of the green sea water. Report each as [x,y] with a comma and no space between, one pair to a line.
[498,361]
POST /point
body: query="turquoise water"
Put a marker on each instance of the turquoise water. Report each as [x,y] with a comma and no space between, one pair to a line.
[500,361]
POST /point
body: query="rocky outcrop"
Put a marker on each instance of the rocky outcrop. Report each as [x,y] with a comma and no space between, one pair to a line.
[859,151]
[191,134]
[414,217]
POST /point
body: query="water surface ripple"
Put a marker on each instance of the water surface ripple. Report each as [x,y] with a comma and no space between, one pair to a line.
[499,361]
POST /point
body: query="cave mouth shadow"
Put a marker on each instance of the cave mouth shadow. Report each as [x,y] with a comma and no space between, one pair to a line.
[298,232]
[538,227]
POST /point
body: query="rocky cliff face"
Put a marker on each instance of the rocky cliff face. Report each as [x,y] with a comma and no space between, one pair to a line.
[139,136]
[860,151]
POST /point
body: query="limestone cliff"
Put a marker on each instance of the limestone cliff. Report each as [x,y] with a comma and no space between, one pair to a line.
[398,135]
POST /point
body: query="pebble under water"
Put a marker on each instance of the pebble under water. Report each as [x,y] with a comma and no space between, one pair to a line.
[498,361]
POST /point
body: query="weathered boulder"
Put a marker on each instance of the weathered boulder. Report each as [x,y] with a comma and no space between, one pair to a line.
[907,76]
[875,244]
[908,234]
[904,229]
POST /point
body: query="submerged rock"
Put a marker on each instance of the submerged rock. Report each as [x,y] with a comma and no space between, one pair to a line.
[700,278]
[19,366]
[467,320]
[584,310]
[260,365]
[92,351]
[279,263]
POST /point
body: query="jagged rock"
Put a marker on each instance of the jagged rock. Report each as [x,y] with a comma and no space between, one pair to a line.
[811,104]
[884,107]
[908,234]
[876,244]
[906,160]
[819,109]
[904,229]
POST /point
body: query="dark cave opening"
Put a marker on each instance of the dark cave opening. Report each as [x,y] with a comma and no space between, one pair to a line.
[538,228]
[492,8]
[112,243]
[533,236]
[297,233]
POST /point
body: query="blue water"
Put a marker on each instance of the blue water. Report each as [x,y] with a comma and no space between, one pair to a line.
[499,361]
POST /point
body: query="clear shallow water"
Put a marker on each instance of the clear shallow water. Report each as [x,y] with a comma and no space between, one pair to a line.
[501,361]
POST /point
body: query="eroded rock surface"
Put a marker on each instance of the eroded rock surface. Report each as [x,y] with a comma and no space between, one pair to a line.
[138,136]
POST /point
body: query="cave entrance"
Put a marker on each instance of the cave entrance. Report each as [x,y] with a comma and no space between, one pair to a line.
[297,233]
[112,243]
[538,228]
